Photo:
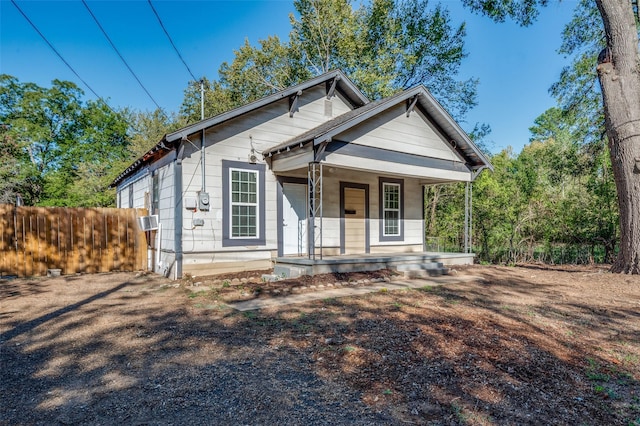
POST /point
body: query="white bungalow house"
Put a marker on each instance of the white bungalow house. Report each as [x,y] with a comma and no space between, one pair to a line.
[313,177]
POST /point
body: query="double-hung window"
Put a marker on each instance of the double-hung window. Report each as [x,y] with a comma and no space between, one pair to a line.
[391,209]
[243,204]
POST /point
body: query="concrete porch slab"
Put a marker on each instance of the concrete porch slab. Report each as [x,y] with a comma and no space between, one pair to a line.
[293,267]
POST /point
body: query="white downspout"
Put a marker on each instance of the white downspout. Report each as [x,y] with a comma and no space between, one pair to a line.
[159,246]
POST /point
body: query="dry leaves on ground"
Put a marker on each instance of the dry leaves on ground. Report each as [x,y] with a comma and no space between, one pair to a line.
[525,345]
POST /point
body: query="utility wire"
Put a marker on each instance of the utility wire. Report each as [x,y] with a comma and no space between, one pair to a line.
[155,12]
[58,53]
[119,54]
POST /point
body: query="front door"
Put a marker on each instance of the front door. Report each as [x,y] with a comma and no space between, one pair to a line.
[294,219]
[354,220]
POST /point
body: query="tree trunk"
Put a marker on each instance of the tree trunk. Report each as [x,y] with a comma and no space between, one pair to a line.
[619,75]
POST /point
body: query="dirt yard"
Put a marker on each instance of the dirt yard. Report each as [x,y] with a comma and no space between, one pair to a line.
[524,345]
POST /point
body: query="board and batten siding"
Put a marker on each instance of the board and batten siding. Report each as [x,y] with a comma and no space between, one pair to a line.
[165,238]
[234,141]
[137,186]
[142,190]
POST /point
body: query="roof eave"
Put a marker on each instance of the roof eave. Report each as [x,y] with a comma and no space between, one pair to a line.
[428,103]
[356,97]
[140,161]
[460,133]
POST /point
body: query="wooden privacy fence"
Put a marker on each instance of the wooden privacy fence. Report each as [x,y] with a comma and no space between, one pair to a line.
[35,239]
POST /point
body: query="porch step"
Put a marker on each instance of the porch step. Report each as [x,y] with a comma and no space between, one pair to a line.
[416,270]
[282,271]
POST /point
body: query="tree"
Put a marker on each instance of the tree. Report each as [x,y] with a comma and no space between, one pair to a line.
[58,150]
[217,99]
[146,128]
[618,72]
[41,124]
[254,73]
[18,177]
[96,157]
[384,46]
[325,34]
[258,72]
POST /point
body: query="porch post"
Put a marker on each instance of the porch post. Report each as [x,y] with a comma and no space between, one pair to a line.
[468,211]
[470,217]
[314,177]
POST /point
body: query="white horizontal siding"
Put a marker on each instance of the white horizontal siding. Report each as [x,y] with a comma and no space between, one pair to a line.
[208,238]
[273,125]
[234,141]
[393,130]
[331,208]
[225,257]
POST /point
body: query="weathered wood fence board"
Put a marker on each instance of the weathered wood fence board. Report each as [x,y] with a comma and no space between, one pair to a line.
[34,239]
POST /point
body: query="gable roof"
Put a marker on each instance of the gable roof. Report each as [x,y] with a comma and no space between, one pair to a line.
[343,84]
[447,126]
[346,86]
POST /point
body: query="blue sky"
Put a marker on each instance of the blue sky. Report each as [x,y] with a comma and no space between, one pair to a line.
[515,66]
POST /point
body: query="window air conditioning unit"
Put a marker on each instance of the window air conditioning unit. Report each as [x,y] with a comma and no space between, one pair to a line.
[148,223]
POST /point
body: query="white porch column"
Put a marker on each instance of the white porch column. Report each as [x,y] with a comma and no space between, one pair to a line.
[468,216]
[314,178]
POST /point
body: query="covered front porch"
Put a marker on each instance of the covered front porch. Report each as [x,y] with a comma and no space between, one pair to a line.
[351,191]
[410,264]
[341,219]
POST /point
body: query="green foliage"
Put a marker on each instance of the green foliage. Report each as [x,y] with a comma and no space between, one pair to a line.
[254,73]
[324,34]
[58,150]
[216,100]
[594,27]
[258,72]
[384,46]
[523,12]
[554,202]
[147,128]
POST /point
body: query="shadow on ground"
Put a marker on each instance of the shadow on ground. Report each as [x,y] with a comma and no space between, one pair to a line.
[134,352]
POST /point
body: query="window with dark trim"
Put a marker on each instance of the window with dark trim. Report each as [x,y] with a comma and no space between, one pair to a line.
[391,209]
[391,203]
[244,203]
[243,218]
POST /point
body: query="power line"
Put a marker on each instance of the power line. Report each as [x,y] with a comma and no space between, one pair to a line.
[58,53]
[155,12]
[119,54]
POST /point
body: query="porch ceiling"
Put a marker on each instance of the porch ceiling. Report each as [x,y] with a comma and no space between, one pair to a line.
[354,157]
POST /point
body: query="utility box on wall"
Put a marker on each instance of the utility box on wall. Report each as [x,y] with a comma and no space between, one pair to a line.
[190,203]
[203,201]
